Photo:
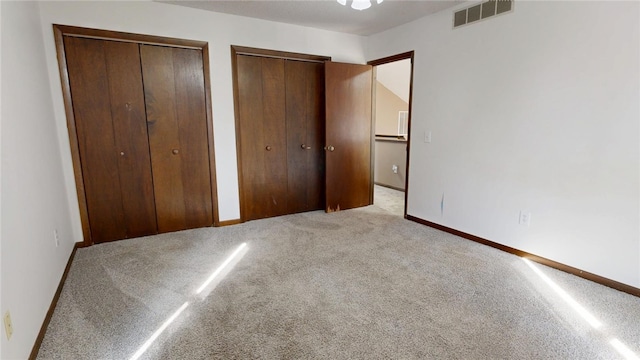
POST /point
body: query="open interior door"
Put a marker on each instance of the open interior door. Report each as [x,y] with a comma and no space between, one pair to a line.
[349,180]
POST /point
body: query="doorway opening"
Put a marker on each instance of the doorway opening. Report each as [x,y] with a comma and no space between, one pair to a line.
[393,85]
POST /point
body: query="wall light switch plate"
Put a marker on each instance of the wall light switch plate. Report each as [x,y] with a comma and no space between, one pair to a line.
[427,136]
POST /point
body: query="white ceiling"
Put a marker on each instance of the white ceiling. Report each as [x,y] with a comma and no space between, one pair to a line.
[326,14]
[396,76]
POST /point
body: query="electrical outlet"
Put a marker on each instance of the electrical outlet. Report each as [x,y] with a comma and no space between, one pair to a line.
[7,325]
[525,218]
[56,238]
[394,168]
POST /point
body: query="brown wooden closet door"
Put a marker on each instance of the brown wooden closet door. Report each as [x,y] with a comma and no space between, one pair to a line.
[130,129]
[108,106]
[176,121]
[348,135]
[305,135]
[262,129]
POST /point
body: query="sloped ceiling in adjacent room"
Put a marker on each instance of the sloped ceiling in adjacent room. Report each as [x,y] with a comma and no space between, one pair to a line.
[396,76]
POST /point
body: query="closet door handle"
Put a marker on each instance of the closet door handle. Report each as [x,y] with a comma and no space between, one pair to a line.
[330,148]
[175,151]
[305,147]
[268,148]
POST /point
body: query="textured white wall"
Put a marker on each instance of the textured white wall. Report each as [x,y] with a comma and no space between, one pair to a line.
[536,110]
[221,31]
[34,201]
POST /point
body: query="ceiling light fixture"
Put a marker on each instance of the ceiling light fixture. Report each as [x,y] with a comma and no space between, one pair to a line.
[359,4]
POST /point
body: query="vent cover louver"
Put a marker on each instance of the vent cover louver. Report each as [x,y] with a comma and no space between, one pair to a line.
[481,11]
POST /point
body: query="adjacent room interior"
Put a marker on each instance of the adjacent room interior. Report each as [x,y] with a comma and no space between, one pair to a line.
[207,218]
[391,118]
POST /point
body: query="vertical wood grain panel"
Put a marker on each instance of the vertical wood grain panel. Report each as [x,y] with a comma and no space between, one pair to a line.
[131,141]
[315,136]
[162,125]
[261,102]
[120,71]
[194,149]
[249,108]
[274,109]
[305,126]
[96,140]
[279,99]
[296,134]
[176,122]
[348,130]
[251,122]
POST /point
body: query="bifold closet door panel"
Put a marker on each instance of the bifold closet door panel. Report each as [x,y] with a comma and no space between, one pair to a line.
[96,139]
[262,129]
[108,107]
[349,180]
[305,134]
[130,126]
[176,122]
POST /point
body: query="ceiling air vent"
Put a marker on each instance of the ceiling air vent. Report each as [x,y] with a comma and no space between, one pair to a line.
[481,11]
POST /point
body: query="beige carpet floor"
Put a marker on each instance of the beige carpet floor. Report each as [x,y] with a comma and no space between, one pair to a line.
[356,284]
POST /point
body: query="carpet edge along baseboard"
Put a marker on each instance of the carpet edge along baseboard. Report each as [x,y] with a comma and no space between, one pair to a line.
[544,261]
[52,307]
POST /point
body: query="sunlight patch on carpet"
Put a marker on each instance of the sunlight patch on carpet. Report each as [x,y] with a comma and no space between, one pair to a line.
[157,333]
[620,347]
[623,349]
[222,270]
[586,315]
